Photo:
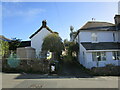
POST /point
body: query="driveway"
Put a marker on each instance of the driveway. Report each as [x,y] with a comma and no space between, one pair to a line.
[73,69]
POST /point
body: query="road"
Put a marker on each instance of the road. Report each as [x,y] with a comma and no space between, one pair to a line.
[38,81]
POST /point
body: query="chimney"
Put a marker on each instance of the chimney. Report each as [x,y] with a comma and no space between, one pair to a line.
[117,21]
[56,33]
[44,23]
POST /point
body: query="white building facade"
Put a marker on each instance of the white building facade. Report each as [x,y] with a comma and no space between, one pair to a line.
[38,37]
[99,44]
[119,7]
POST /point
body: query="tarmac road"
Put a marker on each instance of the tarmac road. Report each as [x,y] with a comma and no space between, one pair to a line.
[39,81]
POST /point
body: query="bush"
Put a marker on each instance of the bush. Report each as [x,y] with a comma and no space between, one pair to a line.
[34,66]
[109,70]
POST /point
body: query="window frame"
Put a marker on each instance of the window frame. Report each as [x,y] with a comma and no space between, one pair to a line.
[94,37]
[117,55]
[98,56]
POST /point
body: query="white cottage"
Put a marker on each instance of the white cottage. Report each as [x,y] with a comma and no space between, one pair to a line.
[99,43]
[38,36]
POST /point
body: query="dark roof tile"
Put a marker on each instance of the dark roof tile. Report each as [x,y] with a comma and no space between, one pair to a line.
[25,44]
[101,45]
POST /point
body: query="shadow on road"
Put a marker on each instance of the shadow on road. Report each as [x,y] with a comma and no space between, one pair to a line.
[37,76]
[68,70]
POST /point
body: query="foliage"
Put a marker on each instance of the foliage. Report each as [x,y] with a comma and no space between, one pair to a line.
[13,61]
[53,43]
[66,42]
[110,65]
[72,47]
[14,44]
[26,66]
[4,48]
[109,70]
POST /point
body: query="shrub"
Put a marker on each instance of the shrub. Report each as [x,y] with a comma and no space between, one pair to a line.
[109,70]
[34,66]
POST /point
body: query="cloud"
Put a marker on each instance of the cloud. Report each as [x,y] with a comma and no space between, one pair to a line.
[20,10]
[31,12]
[12,0]
[60,0]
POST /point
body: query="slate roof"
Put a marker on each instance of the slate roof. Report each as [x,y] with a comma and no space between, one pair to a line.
[25,44]
[101,46]
[4,38]
[95,25]
[43,26]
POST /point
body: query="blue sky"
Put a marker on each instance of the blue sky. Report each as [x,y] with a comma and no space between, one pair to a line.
[22,19]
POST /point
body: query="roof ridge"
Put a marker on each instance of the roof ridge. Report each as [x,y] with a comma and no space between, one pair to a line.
[40,30]
[100,22]
[3,37]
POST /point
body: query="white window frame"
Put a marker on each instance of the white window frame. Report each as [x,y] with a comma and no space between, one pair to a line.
[94,37]
[96,55]
[116,55]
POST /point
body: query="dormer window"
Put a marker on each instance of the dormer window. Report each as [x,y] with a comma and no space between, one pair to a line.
[94,37]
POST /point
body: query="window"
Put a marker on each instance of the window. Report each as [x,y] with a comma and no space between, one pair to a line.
[94,37]
[99,56]
[116,55]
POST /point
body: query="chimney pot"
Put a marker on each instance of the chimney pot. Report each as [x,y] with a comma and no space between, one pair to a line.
[44,23]
[117,20]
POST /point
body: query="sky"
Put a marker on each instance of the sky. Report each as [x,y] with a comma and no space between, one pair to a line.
[22,19]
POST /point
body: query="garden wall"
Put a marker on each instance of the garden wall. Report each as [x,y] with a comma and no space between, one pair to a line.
[27,66]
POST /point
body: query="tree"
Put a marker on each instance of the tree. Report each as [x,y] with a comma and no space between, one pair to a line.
[72,49]
[14,44]
[53,43]
[4,48]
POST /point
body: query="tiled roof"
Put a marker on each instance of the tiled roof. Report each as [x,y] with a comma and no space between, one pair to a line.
[101,46]
[95,25]
[4,38]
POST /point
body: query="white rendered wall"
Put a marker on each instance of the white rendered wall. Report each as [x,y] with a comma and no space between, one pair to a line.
[82,60]
[102,36]
[85,36]
[119,7]
[106,36]
[119,36]
[37,40]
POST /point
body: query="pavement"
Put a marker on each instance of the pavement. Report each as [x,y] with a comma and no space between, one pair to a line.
[54,81]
